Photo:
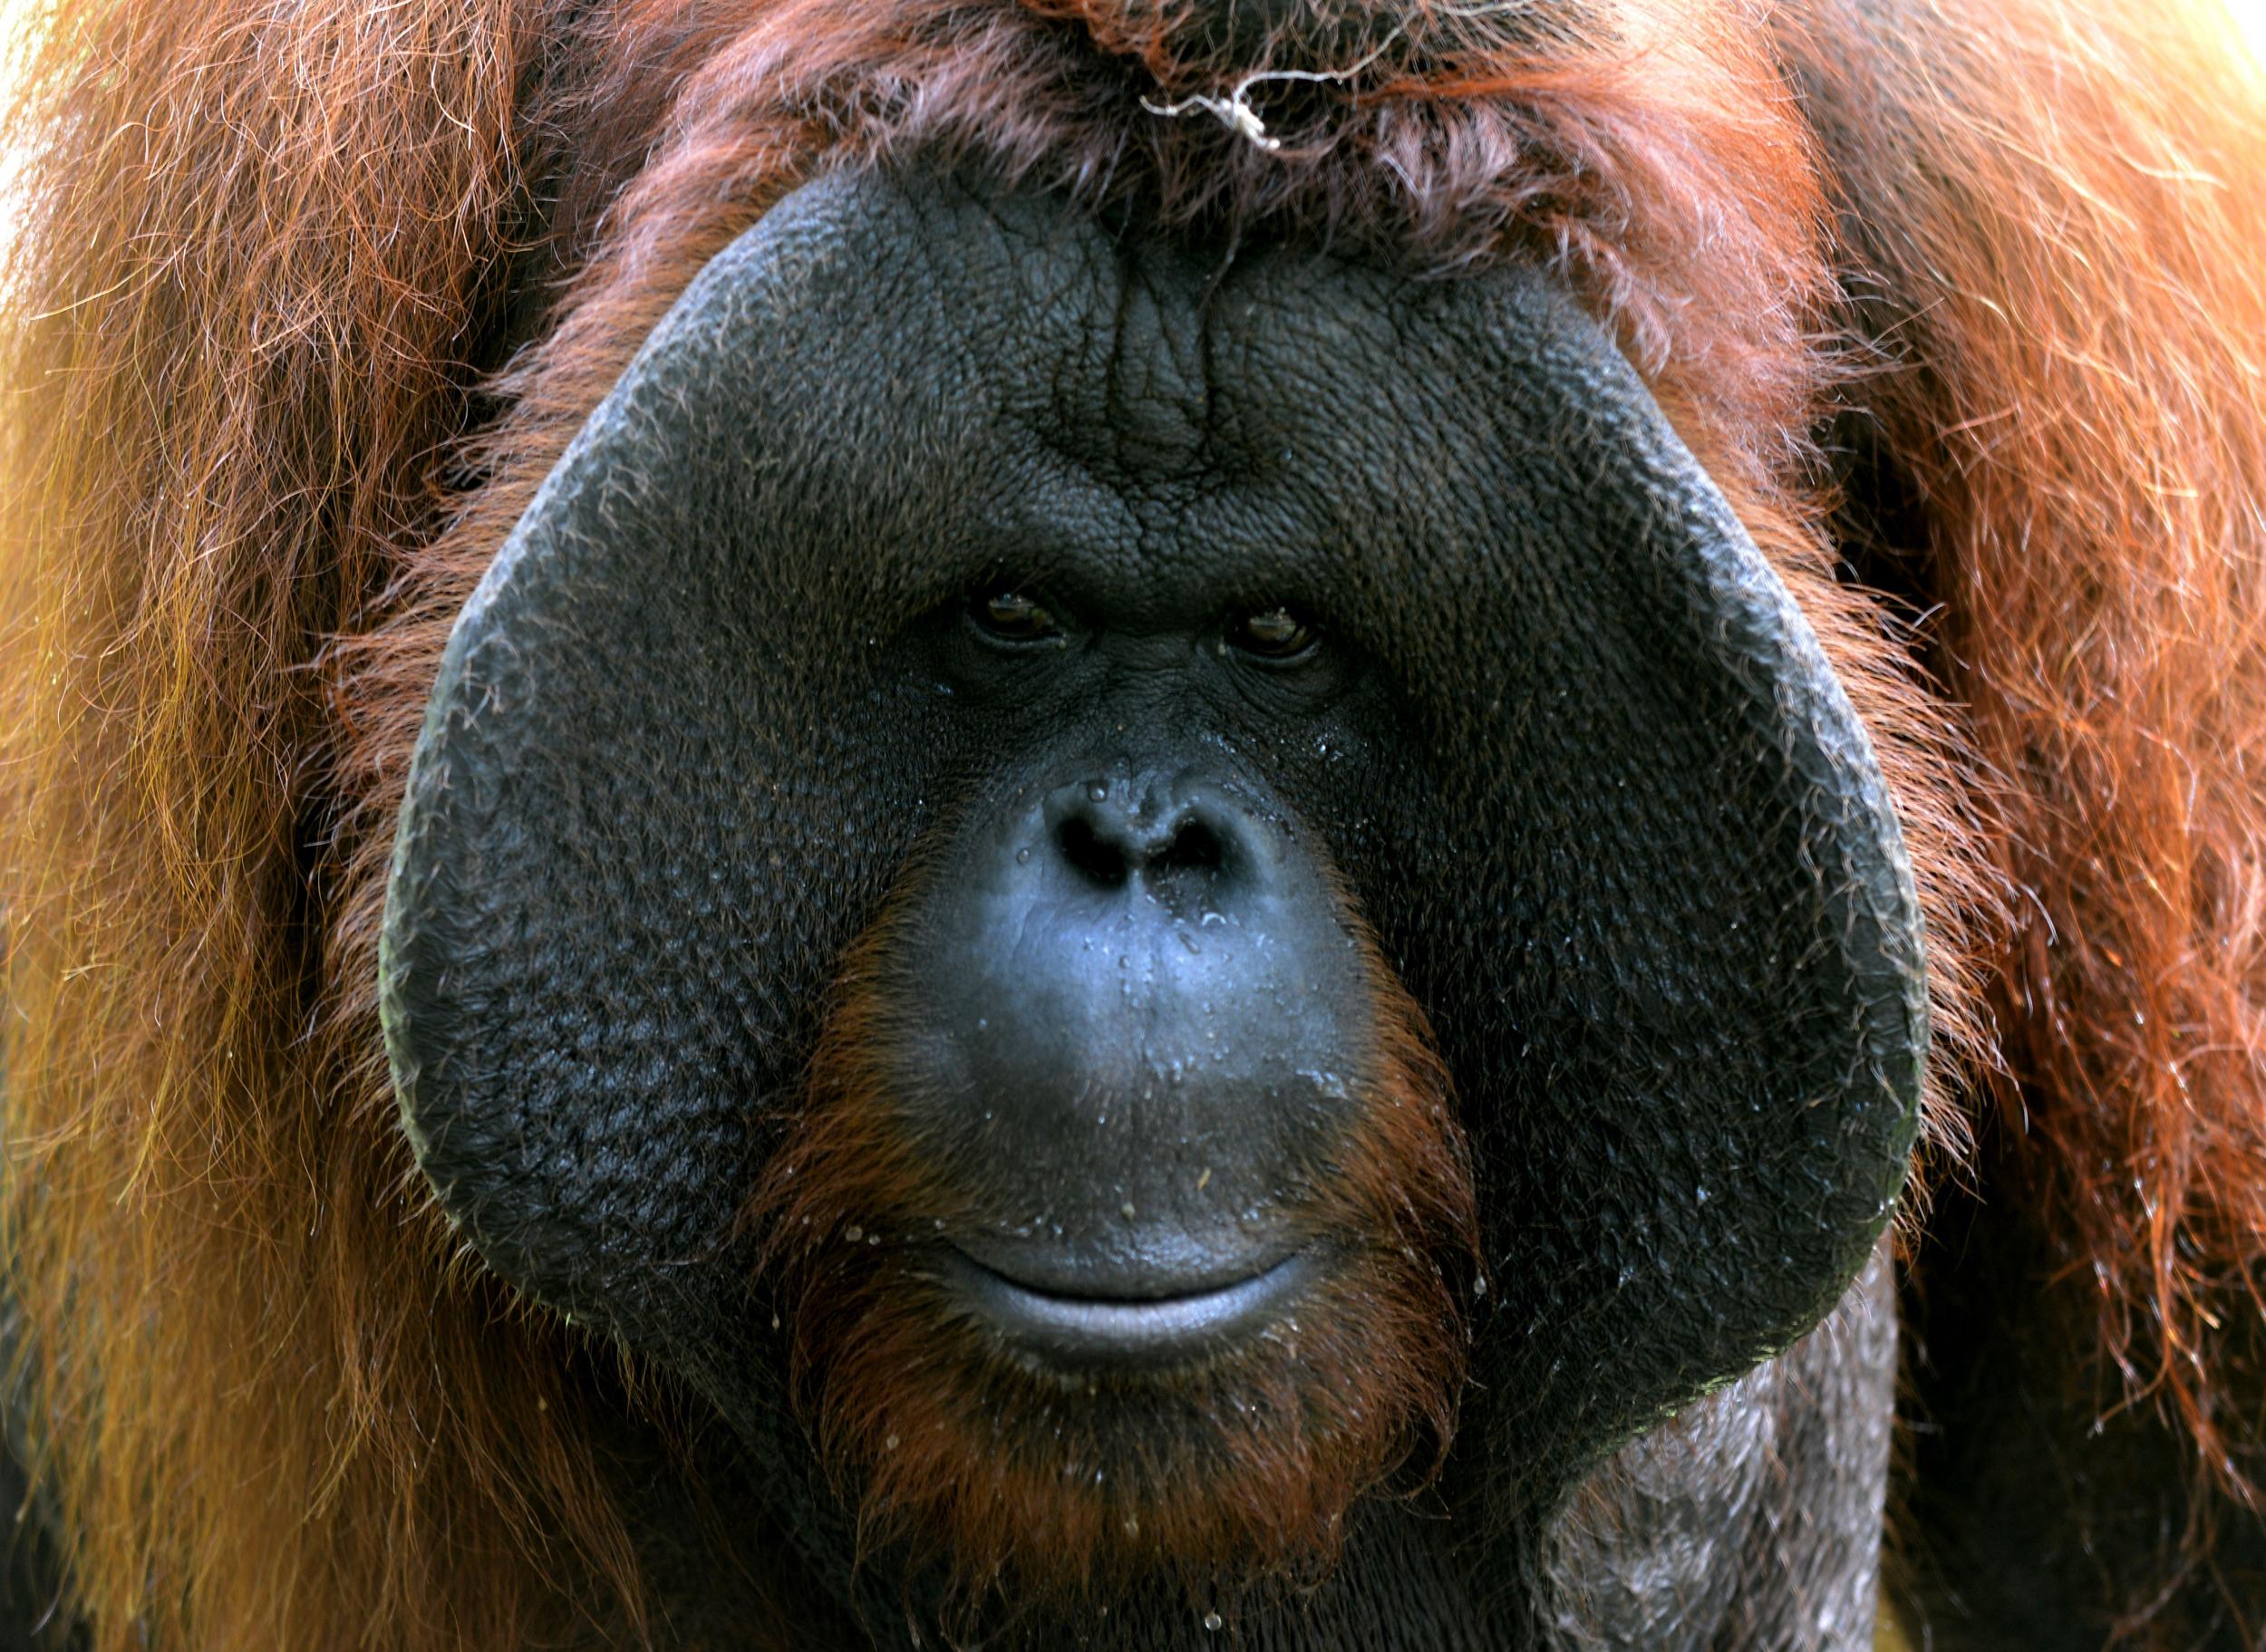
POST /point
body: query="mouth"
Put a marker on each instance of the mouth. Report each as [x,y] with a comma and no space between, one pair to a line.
[1141,1327]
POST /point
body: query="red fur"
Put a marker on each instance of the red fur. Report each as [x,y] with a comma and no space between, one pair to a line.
[1020,1480]
[248,476]
[2084,418]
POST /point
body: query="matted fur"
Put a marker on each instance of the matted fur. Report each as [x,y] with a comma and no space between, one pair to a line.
[253,461]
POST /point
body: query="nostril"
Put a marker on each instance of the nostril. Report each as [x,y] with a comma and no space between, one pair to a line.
[1102,861]
[1193,846]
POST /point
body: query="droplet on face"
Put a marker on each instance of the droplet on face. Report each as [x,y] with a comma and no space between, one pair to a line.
[852,1233]
[1212,1621]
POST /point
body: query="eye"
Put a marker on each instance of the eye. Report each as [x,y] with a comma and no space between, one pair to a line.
[1007,615]
[1273,633]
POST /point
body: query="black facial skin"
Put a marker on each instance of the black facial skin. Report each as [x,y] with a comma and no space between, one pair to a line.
[1140,931]
[1336,576]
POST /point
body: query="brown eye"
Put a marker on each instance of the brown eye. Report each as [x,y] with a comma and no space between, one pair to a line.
[1272,633]
[1010,616]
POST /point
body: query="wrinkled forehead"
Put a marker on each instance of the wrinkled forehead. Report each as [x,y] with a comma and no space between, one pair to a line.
[1002,376]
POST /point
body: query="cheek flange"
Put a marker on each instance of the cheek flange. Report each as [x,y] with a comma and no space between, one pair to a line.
[1656,878]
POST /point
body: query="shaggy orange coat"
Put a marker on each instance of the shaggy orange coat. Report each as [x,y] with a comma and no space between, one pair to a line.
[264,427]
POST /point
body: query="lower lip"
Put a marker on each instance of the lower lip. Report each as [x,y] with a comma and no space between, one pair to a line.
[1105,1331]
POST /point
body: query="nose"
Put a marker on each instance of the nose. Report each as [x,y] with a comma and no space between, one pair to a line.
[1179,838]
[1139,1020]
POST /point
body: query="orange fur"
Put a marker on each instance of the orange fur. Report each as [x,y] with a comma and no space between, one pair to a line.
[1231,1474]
[2078,389]
[254,458]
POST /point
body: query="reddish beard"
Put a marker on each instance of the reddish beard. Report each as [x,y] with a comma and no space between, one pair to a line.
[1051,1482]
